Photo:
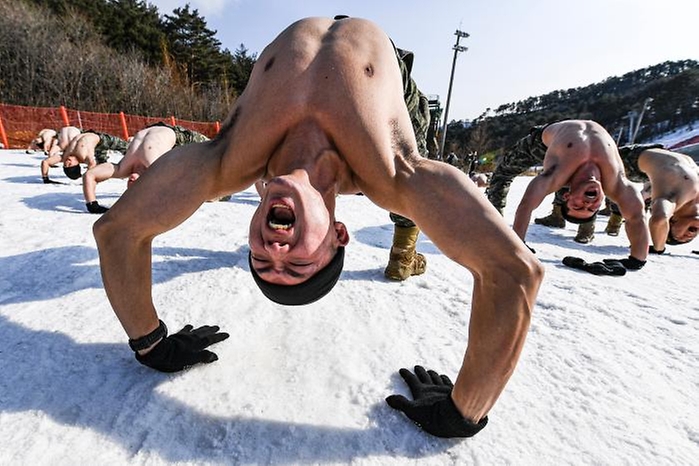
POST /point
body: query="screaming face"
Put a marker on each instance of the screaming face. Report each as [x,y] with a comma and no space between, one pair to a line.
[584,201]
[292,235]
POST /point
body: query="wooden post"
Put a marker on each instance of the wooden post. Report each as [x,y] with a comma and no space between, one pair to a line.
[64,116]
[3,135]
[124,129]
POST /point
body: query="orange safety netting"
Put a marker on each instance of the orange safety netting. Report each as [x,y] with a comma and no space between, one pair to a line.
[19,125]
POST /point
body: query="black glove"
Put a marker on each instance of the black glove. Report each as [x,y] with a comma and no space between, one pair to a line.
[183,349]
[49,181]
[596,268]
[94,208]
[652,250]
[432,408]
[630,263]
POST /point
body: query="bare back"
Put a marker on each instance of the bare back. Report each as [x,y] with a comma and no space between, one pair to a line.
[673,176]
[145,148]
[66,135]
[574,143]
[82,147]
[46,138]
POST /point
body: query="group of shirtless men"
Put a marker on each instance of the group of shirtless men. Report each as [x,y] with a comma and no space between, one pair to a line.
[330,109]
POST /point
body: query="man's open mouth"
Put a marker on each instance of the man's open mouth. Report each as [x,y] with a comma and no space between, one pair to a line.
[591,194]
[280,217]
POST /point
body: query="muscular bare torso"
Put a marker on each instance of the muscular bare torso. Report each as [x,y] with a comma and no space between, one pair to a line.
[316,89]
[673,176]
[574,143]
[147,146]
[82,147]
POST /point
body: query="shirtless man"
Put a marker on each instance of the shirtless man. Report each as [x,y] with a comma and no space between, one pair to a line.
[579,154]
[65,135]
[674,179]
[90,148]
[144,149]
[674,197]
[340,126]
[43,141]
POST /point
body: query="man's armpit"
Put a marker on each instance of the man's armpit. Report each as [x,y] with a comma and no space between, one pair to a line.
[548,171]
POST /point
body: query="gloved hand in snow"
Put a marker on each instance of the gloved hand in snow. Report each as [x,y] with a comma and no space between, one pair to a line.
[432,408]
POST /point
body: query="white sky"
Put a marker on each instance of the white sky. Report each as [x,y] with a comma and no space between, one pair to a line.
[516,49]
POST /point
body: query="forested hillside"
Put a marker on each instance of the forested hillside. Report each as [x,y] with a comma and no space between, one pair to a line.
[125,55]
[661,97]
[117,55]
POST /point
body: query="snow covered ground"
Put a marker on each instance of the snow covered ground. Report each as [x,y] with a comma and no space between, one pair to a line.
[609,374]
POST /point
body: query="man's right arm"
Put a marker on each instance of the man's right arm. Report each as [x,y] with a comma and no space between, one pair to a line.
[534,195]
[95,175]
[46,164]
[124,234]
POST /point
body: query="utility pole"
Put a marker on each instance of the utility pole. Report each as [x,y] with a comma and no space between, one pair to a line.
[646,104]
[457,48]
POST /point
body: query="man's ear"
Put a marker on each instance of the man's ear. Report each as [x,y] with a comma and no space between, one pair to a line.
[342,234]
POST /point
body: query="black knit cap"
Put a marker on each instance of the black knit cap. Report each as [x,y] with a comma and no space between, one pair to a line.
[72,172]
[307,292]
[577,221]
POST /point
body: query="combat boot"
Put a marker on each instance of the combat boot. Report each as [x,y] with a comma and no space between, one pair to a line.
[404,261]
[614,225]
[586,232]
[554,219]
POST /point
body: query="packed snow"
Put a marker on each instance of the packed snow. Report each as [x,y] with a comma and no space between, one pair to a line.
[609,373]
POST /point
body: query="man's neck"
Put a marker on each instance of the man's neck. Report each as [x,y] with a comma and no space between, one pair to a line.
[586,172]
[306,147]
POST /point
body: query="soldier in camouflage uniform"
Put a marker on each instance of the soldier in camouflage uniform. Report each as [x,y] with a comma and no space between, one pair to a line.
[147,146]
[338,126]
[524,154]
[629,156]
[91,148]
[182,135]
[580,155]
[55,155]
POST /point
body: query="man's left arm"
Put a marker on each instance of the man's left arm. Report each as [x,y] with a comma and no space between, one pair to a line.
[659,223]
[633,210]
[455,216]
[534,195]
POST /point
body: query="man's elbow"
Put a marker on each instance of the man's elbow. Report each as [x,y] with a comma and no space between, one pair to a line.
[521,275]
[531,273]
[102,229]
[108,230]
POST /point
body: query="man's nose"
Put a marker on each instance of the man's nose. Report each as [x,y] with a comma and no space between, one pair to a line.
[276,248]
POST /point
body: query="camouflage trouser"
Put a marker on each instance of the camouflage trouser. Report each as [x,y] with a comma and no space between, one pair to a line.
[525,153]
[629,155]
[419,111]
[182,135]
[107,143]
